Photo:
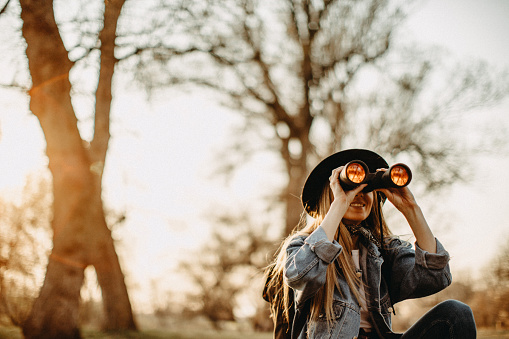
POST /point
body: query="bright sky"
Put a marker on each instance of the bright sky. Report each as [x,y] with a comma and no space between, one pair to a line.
[472,29]
[161,159]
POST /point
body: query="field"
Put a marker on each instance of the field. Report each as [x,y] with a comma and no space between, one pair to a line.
[15,333]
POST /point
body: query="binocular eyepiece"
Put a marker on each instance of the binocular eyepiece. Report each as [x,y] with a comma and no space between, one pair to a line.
[356,173]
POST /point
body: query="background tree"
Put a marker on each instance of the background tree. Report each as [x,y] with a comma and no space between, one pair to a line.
[313,77]
[491,306]
[73,50]
[24,248]
[81,236]
[226,266]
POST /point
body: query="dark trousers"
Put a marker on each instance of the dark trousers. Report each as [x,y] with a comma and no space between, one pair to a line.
[450,319]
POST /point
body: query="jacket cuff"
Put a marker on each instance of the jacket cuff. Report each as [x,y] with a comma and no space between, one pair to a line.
[323,248]
[432,260]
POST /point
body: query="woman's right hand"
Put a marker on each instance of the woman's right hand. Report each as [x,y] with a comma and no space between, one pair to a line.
[339,193]
[339,206]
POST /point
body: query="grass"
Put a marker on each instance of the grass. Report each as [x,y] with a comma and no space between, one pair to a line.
[15,333]
[492,334]
[197,334]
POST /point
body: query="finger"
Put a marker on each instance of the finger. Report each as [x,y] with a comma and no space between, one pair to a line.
[359,188]
[384,191]
[338,170]
[335,173]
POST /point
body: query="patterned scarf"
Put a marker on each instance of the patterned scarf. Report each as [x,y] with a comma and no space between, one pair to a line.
[359,229]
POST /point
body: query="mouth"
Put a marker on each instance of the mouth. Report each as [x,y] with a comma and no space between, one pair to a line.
[357,204]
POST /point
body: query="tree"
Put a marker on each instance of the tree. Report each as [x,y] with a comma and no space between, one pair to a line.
[312,77]
[67,44]
[501,267]
[225,266]
[81,236]
[24,248]
[498,289]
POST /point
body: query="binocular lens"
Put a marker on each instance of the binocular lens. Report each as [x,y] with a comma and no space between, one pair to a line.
[399,175]
[356,173]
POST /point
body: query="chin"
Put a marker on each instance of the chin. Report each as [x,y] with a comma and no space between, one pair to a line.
[354,219]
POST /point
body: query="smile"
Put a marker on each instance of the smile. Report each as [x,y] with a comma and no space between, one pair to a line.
[357,205]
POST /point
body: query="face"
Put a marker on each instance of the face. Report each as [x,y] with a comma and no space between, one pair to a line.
[359,208]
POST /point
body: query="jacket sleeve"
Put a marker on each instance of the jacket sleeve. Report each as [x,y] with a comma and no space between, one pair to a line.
[416,273]
[307,262]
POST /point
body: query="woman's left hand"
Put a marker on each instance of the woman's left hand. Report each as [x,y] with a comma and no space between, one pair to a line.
[402,198]
[405,202]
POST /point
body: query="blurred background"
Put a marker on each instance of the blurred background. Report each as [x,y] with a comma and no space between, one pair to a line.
[152,153]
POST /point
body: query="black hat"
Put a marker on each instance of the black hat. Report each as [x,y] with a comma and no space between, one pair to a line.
[319,176]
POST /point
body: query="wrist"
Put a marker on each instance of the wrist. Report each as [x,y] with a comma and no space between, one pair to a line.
[338,205]
[330,222]
[337,210]
[415,217]
[410,209]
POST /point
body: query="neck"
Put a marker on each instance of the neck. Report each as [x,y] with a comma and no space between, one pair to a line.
[355,241]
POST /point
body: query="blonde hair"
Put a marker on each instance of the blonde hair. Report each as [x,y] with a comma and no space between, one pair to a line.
[344,264]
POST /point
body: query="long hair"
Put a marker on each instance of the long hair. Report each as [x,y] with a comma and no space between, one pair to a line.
[342,266]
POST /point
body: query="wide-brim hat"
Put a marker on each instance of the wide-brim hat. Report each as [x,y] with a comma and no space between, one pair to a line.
[319,176]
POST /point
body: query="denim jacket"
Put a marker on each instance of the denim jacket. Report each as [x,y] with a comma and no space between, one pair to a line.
[401,273]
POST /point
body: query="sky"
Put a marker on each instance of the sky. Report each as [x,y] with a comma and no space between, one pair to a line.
[473,30]
[161,174]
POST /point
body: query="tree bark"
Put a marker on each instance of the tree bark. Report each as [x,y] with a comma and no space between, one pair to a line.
[103,255]
[81,236]
[296,167]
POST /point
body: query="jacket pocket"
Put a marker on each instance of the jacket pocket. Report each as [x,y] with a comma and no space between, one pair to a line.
[344,323]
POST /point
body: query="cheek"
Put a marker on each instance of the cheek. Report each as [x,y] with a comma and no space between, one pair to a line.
[369,201]
[367,212]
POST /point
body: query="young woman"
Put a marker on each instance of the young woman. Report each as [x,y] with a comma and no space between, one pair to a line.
[336,277]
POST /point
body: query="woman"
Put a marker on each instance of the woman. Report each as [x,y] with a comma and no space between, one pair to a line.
[337,277]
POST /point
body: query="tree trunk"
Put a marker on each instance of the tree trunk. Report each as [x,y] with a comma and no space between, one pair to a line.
[81,236]
[293,203]
[296,166]
[116,302]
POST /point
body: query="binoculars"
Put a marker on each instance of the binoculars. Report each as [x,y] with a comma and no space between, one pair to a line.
[356,173]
